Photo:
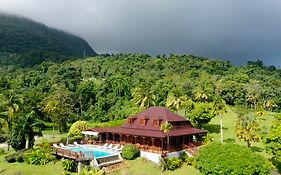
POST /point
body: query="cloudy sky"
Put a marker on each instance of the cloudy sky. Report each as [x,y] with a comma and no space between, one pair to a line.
[236,30]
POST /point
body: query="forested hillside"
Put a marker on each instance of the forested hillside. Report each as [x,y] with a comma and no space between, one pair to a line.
[26,43]
[111,87]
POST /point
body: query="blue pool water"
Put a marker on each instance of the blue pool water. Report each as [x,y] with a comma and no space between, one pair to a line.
[89,152]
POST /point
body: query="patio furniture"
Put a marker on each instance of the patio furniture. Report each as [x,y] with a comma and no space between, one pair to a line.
[110,146]
[104,146]
[120,148]
[115,147]
[76,144]
[56,145]
[62,145]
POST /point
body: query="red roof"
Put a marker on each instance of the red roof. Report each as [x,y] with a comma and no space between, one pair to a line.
[149,133]
[153,114]
[147,124]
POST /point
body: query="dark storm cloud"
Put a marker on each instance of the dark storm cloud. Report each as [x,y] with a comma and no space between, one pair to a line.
[237,30]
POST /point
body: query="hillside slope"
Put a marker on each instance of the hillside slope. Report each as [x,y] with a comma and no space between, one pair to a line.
[27,43]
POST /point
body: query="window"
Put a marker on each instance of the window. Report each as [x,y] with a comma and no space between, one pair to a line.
[143,122]
[156,123]
[131,120]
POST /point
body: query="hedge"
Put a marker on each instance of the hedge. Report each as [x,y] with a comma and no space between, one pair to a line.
[224,159]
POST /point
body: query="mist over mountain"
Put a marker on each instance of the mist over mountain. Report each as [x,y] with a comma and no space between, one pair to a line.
[26,43]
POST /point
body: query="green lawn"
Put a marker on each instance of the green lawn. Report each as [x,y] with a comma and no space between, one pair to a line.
[50,136]
[229,121]
[26,169]
[144,167]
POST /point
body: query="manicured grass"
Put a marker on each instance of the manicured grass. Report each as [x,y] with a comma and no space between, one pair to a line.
[229,121]
[141,166]
[50,136]
[26,169]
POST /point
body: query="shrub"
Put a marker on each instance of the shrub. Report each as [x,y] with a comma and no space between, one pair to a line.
[39,156]
[183,157]
[90,171]
[69,165]
[66,173]
[217,158]
[272,142]
[17,157]
[2,151]
[130,152]
[170,163]
[20,159]
[191,161]
[77,127]
[10,158]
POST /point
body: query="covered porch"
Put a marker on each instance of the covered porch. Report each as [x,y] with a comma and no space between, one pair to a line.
[147,143]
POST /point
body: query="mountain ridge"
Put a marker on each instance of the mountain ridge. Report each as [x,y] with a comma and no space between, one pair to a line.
[26,42]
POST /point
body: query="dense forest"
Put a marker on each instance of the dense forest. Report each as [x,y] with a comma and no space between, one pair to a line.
[27,43]
[111,87]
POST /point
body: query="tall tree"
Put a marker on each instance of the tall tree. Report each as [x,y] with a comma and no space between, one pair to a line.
[24,128]
[247,128]
[58,106]
[176,99]
[201,114]
[9,105]
[143,96]
[31,127]
[220,109]
[166,128]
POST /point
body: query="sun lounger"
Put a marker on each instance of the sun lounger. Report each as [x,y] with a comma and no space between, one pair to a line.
[62,145]
[76,144]
[110,146]
[71,145]
[120,149]
[115,148]
[104,146]
[56,145]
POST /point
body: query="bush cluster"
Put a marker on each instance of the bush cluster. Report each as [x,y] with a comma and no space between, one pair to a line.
[17,157]
[39,156]
[217,158]
[130,152]
[91,171]
[170,163]
[69,165]
[2,151]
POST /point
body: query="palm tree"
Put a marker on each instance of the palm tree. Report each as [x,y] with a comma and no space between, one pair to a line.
[270,104]
[31,127]
[220,109]
[252,99]
[176,99]
[9,106]
[52,108]
[143,96]
[166,127]
[58,107]
[201,94]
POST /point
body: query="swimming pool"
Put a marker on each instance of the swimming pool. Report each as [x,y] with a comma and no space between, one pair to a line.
[89,151]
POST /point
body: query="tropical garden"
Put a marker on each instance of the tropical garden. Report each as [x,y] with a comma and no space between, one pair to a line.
[238,105]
